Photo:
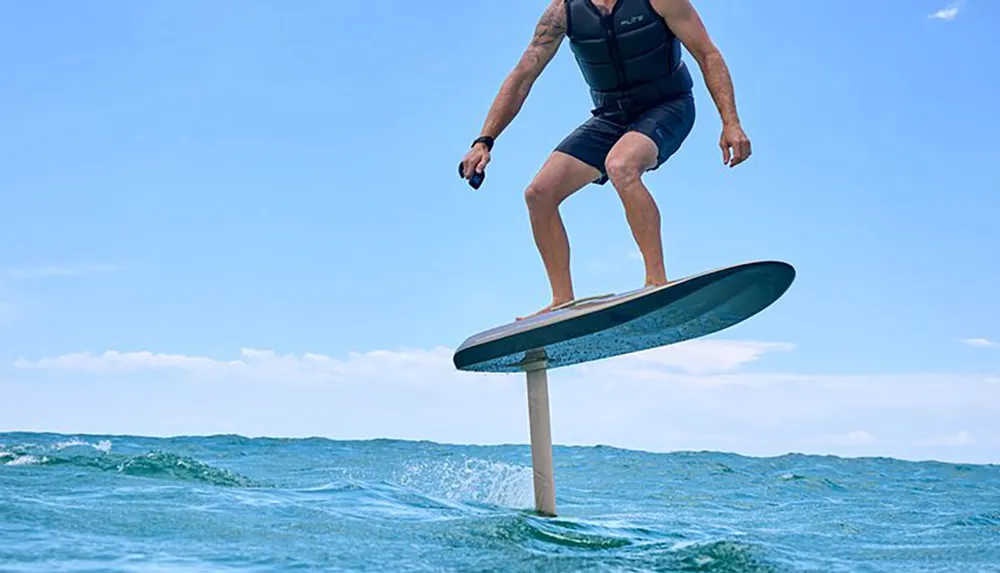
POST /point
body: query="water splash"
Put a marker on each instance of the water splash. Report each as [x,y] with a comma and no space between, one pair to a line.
[472,479]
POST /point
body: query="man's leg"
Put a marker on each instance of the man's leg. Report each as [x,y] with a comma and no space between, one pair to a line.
[560,176]
[651,139]
[633,155]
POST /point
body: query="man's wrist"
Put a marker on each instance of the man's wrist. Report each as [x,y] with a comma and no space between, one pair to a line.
[485,140]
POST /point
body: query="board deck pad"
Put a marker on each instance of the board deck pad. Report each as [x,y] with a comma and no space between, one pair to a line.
[612,325]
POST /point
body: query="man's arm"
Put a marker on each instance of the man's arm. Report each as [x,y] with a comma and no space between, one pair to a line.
[686,24]
[549,33]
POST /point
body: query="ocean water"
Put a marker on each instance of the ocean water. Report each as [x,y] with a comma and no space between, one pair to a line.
[228,503]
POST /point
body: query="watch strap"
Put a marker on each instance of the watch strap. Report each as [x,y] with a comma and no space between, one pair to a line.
[486,139]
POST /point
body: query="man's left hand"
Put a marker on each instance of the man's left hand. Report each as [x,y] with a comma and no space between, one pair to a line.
[735,145]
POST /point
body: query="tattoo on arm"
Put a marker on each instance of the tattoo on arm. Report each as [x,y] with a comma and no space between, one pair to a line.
[549,33]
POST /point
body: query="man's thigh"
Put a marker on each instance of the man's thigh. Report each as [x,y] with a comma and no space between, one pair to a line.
[591,142]
[667,125]
[562,175]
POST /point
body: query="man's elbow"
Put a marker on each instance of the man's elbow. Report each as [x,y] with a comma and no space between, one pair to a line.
[706,54]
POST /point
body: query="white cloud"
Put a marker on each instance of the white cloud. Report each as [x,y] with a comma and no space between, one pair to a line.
[962,438]
[855,438]
[52,271]
[696,357]
[259,365]
[947,13]
[114,361]
[979,342]
[697,395]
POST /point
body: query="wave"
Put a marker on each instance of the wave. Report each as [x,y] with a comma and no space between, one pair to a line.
[153,464]
[590,545]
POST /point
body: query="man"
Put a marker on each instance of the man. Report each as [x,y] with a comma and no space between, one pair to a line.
[629,54]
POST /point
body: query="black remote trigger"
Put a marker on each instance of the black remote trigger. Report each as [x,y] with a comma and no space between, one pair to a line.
[475,181]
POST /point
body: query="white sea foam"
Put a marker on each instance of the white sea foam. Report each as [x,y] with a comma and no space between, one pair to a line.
[102,446]
[69,444]
[26,460]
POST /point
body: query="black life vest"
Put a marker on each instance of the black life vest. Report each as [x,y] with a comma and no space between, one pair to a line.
[630,57]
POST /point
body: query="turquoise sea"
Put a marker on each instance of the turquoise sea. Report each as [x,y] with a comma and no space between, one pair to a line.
[228,503]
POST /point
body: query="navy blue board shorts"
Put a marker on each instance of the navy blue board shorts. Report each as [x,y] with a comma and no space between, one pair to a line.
[667,124]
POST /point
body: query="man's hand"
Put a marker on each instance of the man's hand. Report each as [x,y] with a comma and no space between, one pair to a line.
[734,140]
[475,160]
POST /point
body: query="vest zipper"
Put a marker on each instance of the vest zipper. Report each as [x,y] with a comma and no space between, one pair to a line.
[616,59]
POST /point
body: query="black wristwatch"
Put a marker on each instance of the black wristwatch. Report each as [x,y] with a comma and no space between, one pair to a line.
[484,139]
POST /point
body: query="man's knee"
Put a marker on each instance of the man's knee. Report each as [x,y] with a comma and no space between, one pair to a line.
[623,168]
[561,176]
[541,195]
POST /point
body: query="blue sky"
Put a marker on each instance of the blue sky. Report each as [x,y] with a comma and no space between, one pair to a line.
[191,179]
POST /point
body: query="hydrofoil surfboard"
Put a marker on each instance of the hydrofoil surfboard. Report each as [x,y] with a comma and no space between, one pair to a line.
[611,325]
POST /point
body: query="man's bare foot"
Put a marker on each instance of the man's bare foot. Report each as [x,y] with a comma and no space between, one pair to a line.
[653,283]
[555,304]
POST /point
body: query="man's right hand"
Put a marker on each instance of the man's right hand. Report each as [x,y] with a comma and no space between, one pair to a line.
[475,160]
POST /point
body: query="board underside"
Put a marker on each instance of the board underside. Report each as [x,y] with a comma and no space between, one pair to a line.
[630,322]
